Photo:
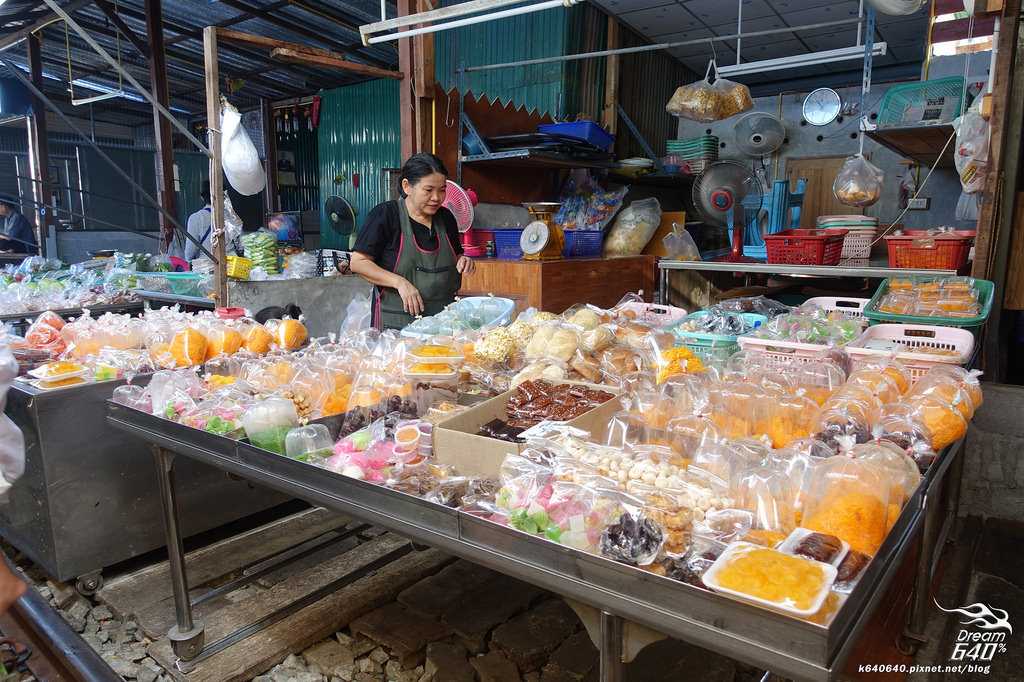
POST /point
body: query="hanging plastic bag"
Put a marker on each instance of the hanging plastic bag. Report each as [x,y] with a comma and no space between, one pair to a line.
[971,153]
[897,8]
[679,245]
[859,182]
[967,206]
[708,101]
[12,443]
[238,154]
[633,228]
[357,316]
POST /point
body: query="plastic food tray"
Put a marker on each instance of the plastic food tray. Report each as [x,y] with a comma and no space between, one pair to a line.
[444,377]
[711,580]
[655,314]
[984,288]
[781,354]
[851,308]
[453,359]
[959,341]
[793,540]
[805,247]
[40,374]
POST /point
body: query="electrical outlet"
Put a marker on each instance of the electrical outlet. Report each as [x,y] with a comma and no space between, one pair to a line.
[920,204]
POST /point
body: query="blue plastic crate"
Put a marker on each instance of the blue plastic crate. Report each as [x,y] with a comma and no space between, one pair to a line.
[588,131]
[506,244]
[583,243]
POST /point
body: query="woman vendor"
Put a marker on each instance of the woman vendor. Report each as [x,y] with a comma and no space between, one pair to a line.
[409,249]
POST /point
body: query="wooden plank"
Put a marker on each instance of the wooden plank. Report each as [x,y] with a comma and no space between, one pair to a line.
[220,277]
[602,282]
[518,280]
[309,625]
[1002,82]
[610,113]
[423,86]
[406,96]
[1014,298]
[126,595]
[299,55]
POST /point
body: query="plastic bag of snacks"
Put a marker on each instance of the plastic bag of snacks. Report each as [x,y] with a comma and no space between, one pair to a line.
[708,101]
[634,538]
[950,389]
[267,423]
[768,494]
[553,341]
[792,418]
[849,499]
[942,423]
[902,472]
[633,228]
[858,183]
[842,425]
[288,334]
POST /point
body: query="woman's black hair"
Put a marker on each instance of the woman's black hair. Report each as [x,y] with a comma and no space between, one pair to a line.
[420,166]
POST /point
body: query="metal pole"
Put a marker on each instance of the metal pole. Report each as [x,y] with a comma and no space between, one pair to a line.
[659,46]
[16,72]
[913,634]
[220,277]
[611,648]
[38,147]
[860,23]
[187,636]
[127,76]
[739,29]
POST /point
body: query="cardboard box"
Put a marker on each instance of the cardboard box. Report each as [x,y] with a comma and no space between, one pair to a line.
[457,443]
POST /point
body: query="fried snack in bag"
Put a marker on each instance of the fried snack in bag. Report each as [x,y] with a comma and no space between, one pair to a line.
[188,347]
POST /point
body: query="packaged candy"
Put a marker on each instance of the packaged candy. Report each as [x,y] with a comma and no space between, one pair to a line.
[267,423]
[849,498]
[948,389]
[769,495]
[841,427]
[902,471]
[941,422]
[634,538]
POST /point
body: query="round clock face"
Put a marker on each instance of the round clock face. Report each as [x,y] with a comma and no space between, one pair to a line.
[822,106]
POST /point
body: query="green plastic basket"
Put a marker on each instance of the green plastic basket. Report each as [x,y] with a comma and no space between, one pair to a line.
[931,102]
[985,290]
[704,340]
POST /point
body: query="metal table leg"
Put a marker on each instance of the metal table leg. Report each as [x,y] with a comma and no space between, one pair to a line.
[663,287]
[913,634]
[611,648]
[187,636]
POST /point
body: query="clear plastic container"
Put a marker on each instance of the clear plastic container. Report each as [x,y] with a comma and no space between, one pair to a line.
[267,423]
[436,352]
[310,443]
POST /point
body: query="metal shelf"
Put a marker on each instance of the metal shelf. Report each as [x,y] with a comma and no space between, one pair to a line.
[534,159]
[920,143]
[869,271]
[165,297]
[130,306]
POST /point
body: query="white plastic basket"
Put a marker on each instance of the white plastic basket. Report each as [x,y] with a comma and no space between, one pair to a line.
[959,342]
[851,308]
[857,244]
[780,354]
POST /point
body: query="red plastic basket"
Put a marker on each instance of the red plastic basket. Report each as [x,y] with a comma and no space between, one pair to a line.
[805,247]
[929,251]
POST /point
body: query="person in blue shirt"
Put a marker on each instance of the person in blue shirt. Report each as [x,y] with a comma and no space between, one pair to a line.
[16,234]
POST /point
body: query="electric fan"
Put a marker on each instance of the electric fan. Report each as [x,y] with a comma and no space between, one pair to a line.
[718,194]
[759,134]
[341,219]
[460,202]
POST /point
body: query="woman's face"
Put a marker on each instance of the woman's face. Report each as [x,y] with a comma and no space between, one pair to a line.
[427,195]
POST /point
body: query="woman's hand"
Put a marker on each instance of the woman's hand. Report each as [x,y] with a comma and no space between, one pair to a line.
[465,265]
[411,299]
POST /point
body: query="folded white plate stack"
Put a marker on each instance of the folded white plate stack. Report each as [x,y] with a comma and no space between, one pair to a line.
[861,232]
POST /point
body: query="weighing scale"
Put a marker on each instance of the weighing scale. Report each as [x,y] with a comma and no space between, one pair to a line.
[542,239]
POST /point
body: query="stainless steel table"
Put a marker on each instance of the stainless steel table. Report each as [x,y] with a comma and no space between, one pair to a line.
[870,270]
[88,498]
[787,646]
[23,319]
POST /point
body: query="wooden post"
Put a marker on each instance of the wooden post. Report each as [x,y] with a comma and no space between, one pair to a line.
[423,83]
[609,114]
[407,95]
[220,277]
[272,201]
[161,126]
[38,148]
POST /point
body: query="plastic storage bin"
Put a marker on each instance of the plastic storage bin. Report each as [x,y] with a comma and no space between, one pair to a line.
[506,244]
[583,243]
[874,345]
[805,247]
[715,347]
[926,250]
[931,102]
[588,131]
[851,308]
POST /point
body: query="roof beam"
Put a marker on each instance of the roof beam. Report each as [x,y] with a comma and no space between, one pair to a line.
[302,54]
[40,23]
[288,25]
[134,38]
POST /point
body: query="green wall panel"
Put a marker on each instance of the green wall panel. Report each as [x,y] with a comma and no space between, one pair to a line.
[358,134]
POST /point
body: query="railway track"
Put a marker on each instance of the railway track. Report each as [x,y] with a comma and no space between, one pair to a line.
[57,653]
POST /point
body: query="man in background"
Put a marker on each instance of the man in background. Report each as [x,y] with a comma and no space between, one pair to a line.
[16,234]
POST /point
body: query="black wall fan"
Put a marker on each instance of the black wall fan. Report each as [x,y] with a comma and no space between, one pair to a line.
[341,221]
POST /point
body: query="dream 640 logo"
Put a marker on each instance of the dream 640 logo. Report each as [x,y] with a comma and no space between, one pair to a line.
[985,635]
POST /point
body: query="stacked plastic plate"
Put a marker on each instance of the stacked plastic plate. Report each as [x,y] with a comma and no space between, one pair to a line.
[694,154]
[861,232]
